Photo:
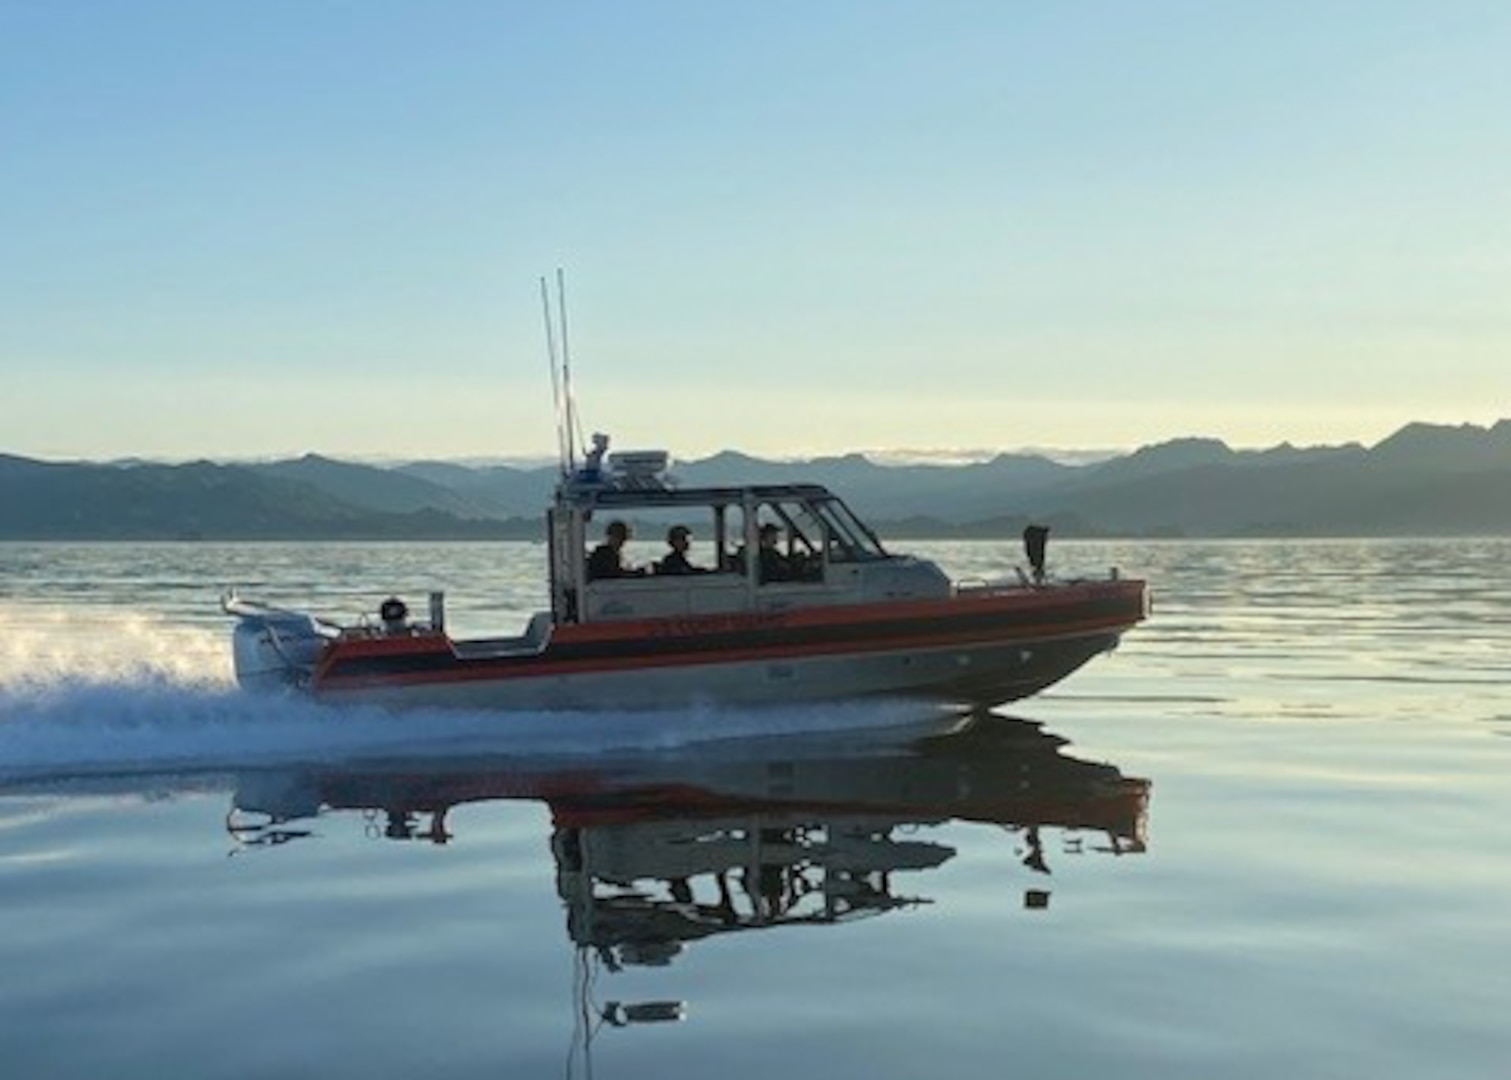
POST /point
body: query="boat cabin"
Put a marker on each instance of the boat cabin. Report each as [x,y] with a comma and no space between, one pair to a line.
[625,544]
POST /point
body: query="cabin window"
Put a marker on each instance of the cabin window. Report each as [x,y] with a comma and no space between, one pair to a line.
[671,540]
[730,537]
[848,537]
[797,554]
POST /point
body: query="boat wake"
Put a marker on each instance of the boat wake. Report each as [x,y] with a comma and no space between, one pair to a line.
[97,692]
[152,723]
[45,643]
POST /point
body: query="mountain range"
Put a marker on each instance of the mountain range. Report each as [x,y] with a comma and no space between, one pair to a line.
[1426,479]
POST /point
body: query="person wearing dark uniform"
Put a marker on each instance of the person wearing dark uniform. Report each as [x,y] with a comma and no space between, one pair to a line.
[607,559]
[675,561]
[771,564]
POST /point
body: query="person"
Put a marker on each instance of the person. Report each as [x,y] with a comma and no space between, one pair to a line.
[607,559]
[395,616]
[771,564]
[678,537]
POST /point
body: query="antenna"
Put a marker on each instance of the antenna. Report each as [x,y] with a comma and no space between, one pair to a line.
[566,369]
[563,449]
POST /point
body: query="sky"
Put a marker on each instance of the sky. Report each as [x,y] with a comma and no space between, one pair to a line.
[789,228]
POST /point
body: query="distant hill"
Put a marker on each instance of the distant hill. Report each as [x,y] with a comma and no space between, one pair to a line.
[493,490]
[1429,480]
[50,501]
[951,493]
[1435,448]
[364,486]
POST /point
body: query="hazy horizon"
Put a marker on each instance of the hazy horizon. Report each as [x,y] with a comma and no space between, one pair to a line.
[253,232]
[880,456]
[877,455]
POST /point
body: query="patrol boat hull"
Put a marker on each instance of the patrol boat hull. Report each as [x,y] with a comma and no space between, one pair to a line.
[972,649]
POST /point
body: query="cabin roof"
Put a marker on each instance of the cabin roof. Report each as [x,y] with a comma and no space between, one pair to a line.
[697,496]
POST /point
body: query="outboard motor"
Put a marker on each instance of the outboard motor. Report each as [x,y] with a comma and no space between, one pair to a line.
[272,648]
[1035,546]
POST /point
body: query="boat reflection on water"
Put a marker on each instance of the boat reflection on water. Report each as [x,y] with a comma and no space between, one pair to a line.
[656,850]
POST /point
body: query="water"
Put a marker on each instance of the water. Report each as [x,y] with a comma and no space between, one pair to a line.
[1267,837]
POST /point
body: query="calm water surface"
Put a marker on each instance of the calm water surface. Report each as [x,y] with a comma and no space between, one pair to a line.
[1268,837]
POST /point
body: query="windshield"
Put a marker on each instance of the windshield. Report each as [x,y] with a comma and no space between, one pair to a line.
[849,538]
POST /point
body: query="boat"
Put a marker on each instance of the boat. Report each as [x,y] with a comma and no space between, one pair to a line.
[796,599]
